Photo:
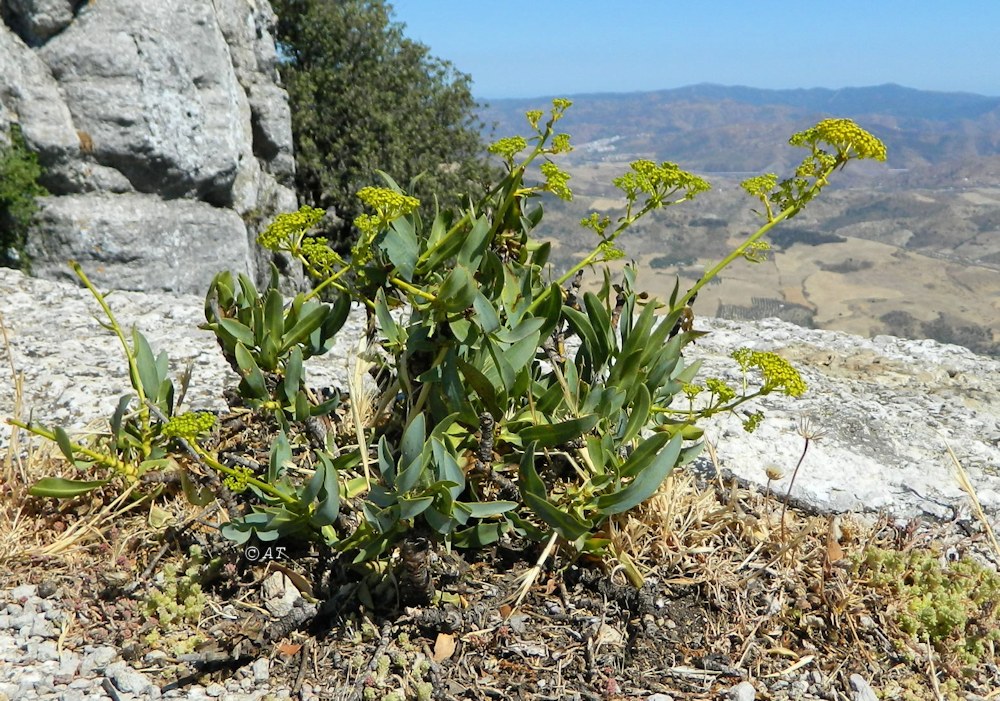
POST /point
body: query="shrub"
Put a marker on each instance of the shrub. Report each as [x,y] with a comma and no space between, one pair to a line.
[19,174]
[508,405]
[364,96]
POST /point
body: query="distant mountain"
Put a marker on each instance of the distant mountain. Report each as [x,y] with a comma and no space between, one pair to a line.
[720,128]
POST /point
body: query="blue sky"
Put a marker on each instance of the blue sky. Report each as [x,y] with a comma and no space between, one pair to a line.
[565,47]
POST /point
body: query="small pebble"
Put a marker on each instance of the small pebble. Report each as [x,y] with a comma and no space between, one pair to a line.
[862,691]
[744,691]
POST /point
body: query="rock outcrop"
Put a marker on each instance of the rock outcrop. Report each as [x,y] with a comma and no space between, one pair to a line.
[888,407]
[165,135]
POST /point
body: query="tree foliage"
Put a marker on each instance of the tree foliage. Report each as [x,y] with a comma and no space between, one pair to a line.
[19,173]
[364,97]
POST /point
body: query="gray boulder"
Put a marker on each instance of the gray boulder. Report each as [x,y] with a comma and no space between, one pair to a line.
[168,105]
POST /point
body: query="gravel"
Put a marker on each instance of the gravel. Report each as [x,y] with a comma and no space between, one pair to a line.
[33,664]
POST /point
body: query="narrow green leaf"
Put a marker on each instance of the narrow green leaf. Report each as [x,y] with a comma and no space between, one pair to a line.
[309,322]
[274,316]
[413,507]
[645,483]
[412,443]
[252,376]
[385,320]
[640,413]
[471,253]
[533,492]
[485,509]
[281,455]
[238,332]
[643,455]
[145,364]
[62,440]
[486,315]
[551,435]
[61,488]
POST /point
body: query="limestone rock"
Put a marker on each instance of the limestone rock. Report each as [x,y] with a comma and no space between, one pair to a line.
[186,242]
[177,100]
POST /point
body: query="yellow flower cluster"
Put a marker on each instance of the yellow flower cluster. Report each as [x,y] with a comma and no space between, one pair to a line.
[560,144]
[658,181]
[508,147]
[760,185]
[778,373]
[317,252]
[691,391]
[533,116]
[289,227]
[560,105]
[849,140]
[189,425]
[720,389]
[753,421]
[596,223]
[388,205]
[238,482]
[555,181]
[756,252]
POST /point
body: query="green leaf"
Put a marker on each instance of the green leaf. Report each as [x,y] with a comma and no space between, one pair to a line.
[412,507]
[480,535]
[645,483]
[643,455]
[385,320]
[293,374]
[528,328]
[62,440]
[238,332]
[457,291]
[252,376]
[61,488]
[639,416]
[482,386]
[196,496]
[412,443]
[329,505]
[281,455]
[309,322]
[474,244]
[600,322]
[401,247]
[533,493]
[485,313]
[146,365]
[551,435]
[274,316]
[485,509]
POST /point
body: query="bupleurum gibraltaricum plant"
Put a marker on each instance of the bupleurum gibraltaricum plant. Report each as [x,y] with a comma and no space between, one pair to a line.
[508,403]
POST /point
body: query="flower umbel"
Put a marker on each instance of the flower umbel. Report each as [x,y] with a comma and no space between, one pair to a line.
[189,425]
[847,138]
[555,181]
[289,228]
[778,373]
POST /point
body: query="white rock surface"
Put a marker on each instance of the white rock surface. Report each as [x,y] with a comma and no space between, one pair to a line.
[176,101]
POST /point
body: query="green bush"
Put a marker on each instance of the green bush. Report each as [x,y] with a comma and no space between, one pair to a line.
[19,174]
[509,404]
[363,96]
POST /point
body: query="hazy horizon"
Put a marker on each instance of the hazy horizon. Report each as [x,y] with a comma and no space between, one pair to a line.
[564,47]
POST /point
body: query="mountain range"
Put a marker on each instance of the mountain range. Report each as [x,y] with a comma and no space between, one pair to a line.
[909,247]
